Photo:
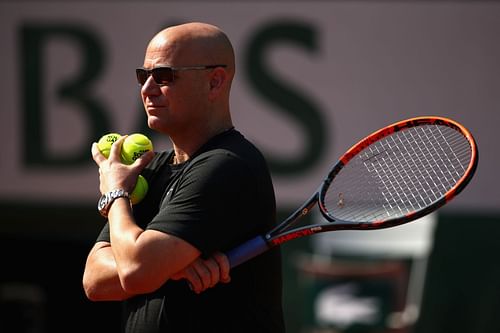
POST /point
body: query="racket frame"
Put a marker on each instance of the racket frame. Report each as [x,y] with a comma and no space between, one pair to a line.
[278,235]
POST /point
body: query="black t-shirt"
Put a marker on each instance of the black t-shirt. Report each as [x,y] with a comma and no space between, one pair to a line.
[215,201]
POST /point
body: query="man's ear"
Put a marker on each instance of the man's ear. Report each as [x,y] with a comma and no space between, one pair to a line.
[217,81]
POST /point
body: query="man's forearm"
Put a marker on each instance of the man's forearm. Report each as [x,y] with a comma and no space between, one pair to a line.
[101,281]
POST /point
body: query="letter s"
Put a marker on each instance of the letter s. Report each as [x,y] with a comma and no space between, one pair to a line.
[287,100]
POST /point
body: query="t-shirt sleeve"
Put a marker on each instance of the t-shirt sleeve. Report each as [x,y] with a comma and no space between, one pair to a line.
[104,234]
[208,206]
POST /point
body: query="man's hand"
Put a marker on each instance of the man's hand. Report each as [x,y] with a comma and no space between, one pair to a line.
[204,274]
[113,174]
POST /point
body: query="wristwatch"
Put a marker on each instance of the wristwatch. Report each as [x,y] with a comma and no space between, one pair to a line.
[107,199]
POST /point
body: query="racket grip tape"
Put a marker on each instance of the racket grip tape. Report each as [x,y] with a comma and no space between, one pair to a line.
[247,250]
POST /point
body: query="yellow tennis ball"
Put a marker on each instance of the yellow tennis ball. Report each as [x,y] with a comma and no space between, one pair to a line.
[134,146]
[140,190]
[105,142]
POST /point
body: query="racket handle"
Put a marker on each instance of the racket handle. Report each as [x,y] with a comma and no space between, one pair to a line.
[247,250]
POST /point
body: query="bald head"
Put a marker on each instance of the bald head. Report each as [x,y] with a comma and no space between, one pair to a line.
[196,104]
[191,44]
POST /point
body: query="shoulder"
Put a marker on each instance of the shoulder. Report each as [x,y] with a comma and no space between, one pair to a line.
[218,164]
[231,148]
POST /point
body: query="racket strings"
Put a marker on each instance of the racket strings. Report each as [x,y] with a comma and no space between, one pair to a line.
[401,173]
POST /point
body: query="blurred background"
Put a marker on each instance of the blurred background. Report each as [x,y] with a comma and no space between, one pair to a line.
[313,78]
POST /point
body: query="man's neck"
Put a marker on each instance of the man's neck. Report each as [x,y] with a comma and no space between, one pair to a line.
[185,149]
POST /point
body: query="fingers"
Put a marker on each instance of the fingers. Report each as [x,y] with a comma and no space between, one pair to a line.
[205,274]
[113,172]
[142,161]
[114,153]
[97,156]
[193,278]
[116,148]
[224,268]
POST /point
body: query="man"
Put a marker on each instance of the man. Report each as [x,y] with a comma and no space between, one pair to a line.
[163,257]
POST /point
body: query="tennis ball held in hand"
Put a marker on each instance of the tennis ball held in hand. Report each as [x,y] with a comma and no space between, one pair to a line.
[140,190]
[105,142]
[135,147]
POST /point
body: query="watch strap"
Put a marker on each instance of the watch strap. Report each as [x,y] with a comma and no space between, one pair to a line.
[108,198]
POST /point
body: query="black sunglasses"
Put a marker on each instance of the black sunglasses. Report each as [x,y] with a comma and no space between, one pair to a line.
[164,75]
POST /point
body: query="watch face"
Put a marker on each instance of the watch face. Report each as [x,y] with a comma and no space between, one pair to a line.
[108,198]
[102,202]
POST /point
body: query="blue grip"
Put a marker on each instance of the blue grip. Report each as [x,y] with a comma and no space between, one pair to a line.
[247,250]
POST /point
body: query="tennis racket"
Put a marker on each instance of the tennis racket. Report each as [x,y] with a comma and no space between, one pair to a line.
[393,176]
